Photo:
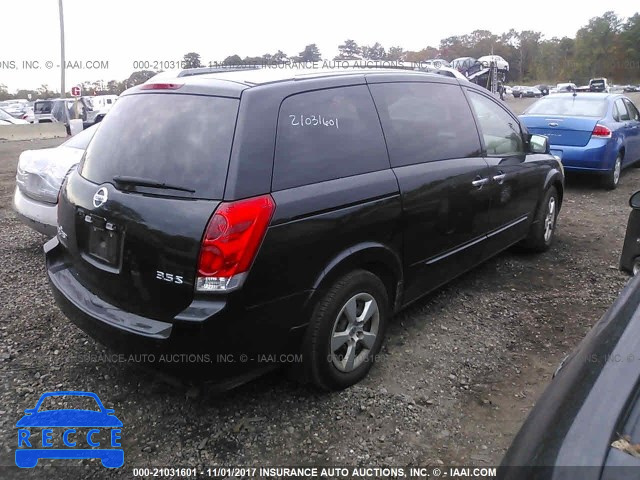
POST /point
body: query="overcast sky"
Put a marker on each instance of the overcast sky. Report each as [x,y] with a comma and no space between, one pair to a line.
[121,32]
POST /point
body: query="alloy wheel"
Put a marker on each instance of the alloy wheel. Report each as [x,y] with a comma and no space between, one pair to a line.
[550,219]
[354,333]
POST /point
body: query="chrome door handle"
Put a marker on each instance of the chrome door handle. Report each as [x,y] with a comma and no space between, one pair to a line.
[499,178]
[478,183]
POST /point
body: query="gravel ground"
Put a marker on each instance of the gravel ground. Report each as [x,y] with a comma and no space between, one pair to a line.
[457,375]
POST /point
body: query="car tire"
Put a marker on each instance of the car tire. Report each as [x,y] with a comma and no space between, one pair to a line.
[612,179]
[346,331]
[543,227]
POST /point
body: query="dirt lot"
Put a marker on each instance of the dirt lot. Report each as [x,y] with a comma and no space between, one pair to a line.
[456,378]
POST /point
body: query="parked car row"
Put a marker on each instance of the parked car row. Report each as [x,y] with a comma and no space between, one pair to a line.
[7,119]
[20,109]
[91,110]
[520,91]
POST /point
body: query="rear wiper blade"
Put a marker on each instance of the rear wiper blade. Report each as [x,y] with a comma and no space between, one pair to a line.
[148,182]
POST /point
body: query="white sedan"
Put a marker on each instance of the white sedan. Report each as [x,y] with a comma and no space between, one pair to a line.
[39,177]
[6,119]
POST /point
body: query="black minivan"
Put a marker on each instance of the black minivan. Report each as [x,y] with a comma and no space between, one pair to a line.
[260,217]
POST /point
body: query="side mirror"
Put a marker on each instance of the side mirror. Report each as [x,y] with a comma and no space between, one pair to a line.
[538,144]
[634,201]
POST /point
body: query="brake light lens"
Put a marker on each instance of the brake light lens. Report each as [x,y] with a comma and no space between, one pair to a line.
[601,131]
[161,86]
[230,243]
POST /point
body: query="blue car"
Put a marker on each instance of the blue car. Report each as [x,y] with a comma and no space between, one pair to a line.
[590,132]
[65,422]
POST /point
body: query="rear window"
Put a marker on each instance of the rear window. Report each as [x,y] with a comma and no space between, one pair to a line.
[42,107]
[569,106]
[182,140]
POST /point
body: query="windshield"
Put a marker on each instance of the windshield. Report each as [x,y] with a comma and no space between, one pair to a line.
[82,139]
[569,106]
[176,139]
[5,116]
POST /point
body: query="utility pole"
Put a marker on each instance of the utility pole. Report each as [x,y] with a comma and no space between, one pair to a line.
[63,89]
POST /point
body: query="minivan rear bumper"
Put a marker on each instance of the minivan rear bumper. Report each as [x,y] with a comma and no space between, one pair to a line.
[226,340]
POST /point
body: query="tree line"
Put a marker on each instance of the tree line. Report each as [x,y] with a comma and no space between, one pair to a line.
[608,46]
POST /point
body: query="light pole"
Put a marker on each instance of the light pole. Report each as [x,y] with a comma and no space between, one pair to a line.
[63,90]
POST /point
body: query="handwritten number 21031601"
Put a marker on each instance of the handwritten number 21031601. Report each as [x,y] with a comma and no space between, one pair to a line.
[314,121]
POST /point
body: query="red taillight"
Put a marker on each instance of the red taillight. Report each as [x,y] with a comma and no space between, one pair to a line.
[161,86]
[601,131]
[231,241]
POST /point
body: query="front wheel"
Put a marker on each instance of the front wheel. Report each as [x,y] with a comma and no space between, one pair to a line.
[544,224]
[613,177]
[346,331]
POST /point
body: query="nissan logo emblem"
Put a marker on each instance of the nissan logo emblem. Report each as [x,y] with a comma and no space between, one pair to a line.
[100,197]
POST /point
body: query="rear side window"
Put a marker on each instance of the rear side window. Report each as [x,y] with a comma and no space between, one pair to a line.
[623,115]
[182,140]
[424,122]
[327,134]
[633,111]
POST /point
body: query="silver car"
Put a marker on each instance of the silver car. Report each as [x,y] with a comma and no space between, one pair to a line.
[39,177]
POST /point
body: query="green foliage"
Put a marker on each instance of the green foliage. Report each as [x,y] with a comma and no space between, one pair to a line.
[349,50]
[136,78]
[311,53]
[232,60]
[373,52]
[192,60]
[395,54]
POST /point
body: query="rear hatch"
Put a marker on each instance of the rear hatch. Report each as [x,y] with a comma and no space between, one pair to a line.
[42,110]
[566,119]
[133,217]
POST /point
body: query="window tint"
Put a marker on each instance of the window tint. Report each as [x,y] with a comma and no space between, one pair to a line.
[179,139]
[424,122]
[327,134]
[500,131]
[623,115]
[633,111]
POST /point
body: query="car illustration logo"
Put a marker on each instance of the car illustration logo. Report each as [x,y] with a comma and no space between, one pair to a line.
[100,197]
[76,433]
